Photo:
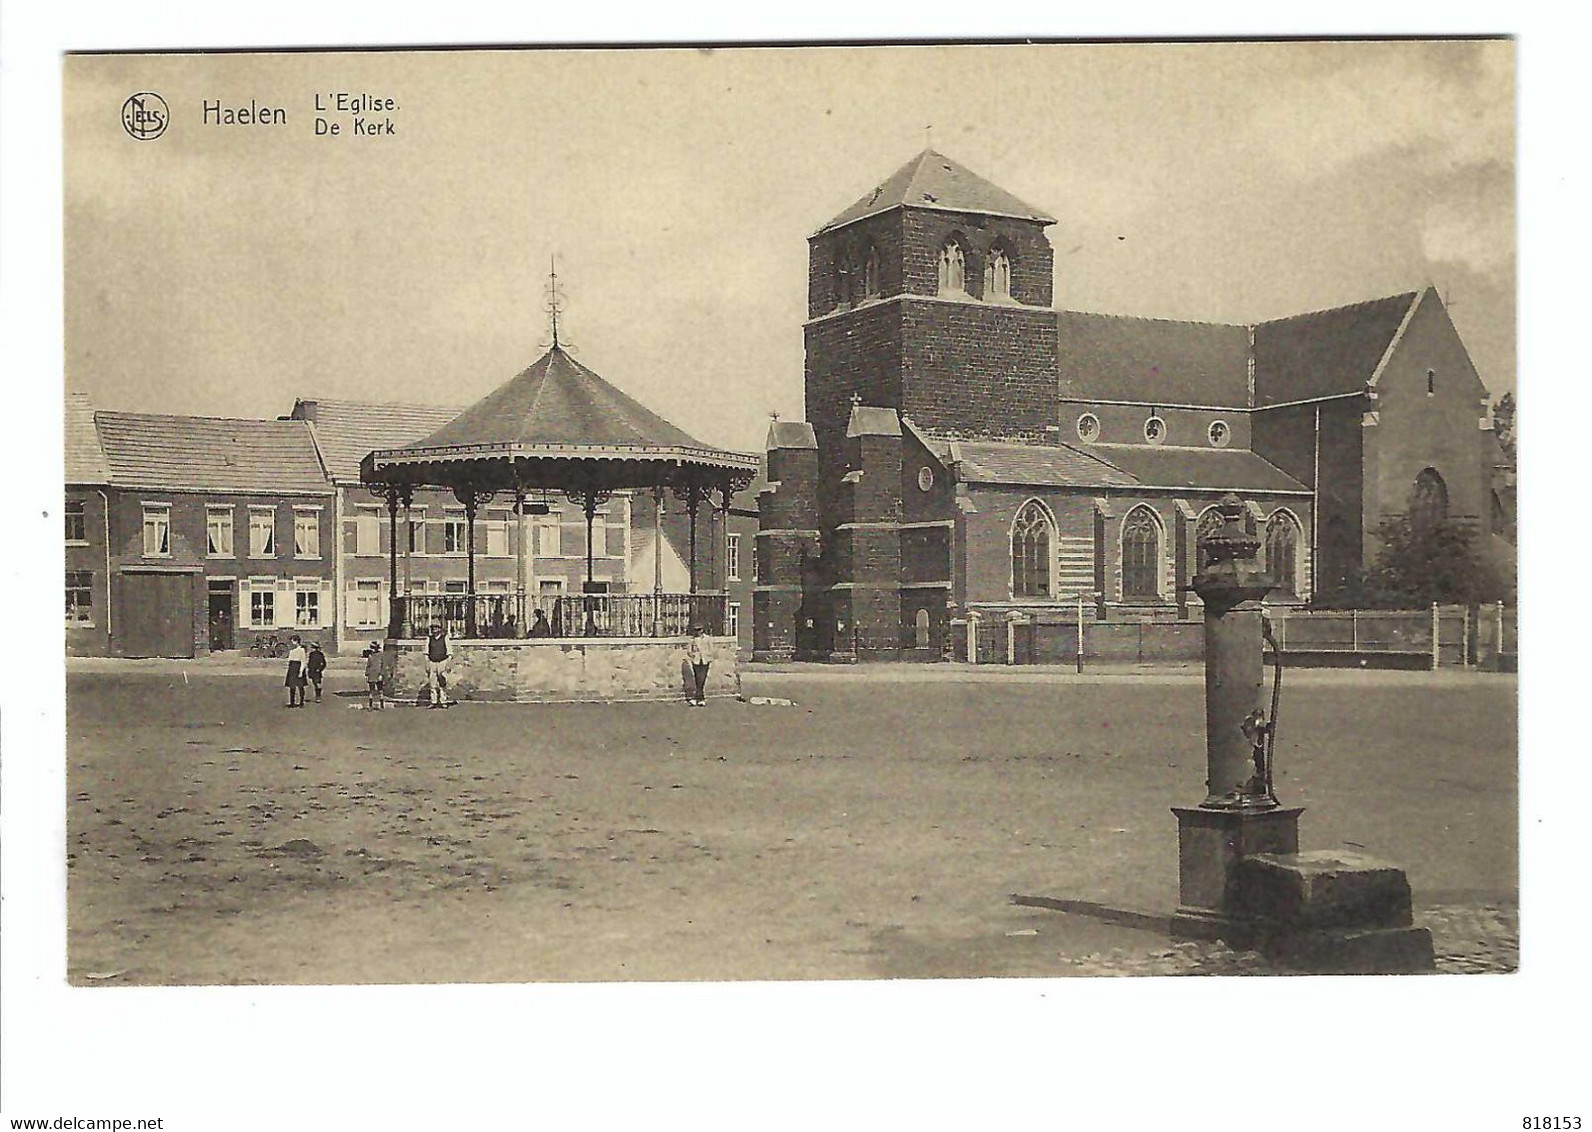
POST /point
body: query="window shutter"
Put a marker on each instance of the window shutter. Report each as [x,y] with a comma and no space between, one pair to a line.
[284,612]
[386,614]
[351,606]
[243,603]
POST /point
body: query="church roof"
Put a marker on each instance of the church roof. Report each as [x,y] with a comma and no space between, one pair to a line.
[1202,469]
[1121,358]
[346,430]
[1034,465]
[1121,466]
[932,180]
[1329,352]
[558,402]
[85,457]
[176,453]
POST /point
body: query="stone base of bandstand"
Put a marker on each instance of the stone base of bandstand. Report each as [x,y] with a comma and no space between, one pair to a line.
[566,669]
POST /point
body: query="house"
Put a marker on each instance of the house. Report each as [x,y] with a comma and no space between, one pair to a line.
[972,452]
[87,514]
[214,533]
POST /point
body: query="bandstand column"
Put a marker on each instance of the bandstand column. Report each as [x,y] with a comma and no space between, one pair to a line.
[693,498]
[395,616]
[726,493]
[522,549]
[409,537]
[657,560]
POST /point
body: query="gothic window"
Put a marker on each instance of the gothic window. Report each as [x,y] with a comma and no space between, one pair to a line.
[1428,500]
[920,625]
[1031,552]
[870,275]
[953,269]
[1210,521]
[1141,555]
[1282,552]
[997,275]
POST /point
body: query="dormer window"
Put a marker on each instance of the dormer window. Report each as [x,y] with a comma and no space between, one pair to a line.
[953,269]
[997,275]
[870,275]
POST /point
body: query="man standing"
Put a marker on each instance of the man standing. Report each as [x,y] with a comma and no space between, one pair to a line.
[437,665]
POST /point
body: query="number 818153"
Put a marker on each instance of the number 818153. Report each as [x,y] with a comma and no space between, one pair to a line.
[1550,1123]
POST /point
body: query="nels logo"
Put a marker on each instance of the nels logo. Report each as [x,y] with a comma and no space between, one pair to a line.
[145,116]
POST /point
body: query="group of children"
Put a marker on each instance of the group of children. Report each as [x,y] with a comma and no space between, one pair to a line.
[304,668]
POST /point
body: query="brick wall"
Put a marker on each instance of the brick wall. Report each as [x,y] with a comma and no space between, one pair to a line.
[1124,424]
[924,232]
[978,370]
[90,637]
[859,353]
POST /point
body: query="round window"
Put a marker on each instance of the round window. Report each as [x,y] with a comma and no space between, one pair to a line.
[1219,433]
[1155,430]
[1088,427]
[925,479]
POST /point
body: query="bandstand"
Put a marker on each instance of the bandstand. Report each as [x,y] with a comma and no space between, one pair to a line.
[558,429]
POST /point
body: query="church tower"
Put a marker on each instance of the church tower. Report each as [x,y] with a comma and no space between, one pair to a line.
[931,295]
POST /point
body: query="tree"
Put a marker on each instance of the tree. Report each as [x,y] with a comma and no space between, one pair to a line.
[1422,563]
[1503,418]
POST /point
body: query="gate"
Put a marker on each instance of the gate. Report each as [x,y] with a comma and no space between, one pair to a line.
[156,615]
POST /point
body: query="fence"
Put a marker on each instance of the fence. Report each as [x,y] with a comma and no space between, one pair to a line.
[1442,636]
[573,615]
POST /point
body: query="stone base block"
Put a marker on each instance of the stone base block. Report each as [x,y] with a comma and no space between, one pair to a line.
[1294,892]
[555,669]
[1374,951]
[1210,845]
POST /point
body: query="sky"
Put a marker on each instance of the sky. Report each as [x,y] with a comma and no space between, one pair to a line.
[225,270]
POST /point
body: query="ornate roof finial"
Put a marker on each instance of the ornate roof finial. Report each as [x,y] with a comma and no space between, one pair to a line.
[856,399]
[928,136]
[554,300]
[774,415]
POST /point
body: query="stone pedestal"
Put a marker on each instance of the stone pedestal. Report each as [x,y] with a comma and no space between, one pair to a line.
[1210,843]
[1330,912]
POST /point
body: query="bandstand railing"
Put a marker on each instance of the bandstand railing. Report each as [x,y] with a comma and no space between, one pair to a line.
[508,616]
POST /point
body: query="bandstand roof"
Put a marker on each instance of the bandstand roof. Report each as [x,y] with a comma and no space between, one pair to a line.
[558,424]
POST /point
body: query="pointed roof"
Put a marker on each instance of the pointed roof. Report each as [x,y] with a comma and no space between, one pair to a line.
[932,180]
[557,410]
[557,401]
[1328,353]
[176,453]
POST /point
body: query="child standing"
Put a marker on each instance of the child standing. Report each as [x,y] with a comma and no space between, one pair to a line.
[316,667]
[295,673]
[373,676]
[698,657]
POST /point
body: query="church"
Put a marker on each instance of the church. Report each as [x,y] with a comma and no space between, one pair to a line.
[972,454]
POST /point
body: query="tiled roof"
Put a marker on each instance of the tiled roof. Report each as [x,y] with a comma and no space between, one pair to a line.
[1211,469]
[1037,465]
[1119,358]
[1328,352]
[347,430]
[85,457]
[210,454]
[558,401]
[931,180]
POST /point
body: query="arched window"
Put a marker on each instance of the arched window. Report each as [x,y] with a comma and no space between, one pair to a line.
[1282,552]
[1210,521]
[842,284]
[921,629]
[953,269]
[1031,552]
[997,275]
[1141,554]
[1428,500]
[870,275]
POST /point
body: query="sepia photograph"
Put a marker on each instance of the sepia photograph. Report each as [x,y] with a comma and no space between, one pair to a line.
[619,553]
[848,546]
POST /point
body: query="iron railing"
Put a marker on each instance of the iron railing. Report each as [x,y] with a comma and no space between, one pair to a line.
[487,616]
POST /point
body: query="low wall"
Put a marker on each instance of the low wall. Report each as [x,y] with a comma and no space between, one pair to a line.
[554,669]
